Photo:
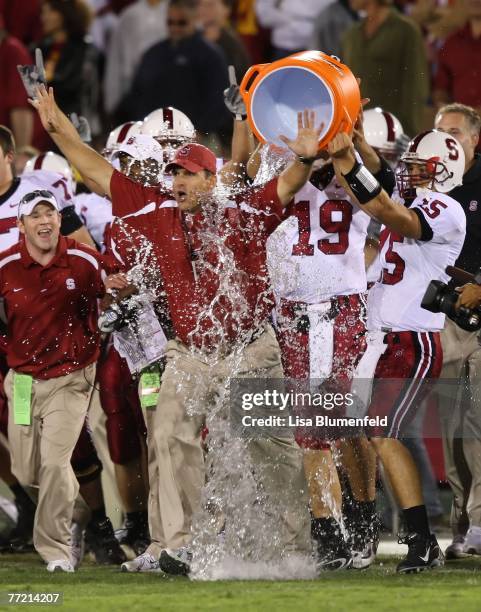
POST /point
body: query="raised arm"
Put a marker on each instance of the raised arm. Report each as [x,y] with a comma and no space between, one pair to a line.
[305,146]
[87,161]
[365,189]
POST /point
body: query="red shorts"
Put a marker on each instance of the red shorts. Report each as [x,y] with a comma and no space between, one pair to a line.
[120,401]
[401,379]
[349,344]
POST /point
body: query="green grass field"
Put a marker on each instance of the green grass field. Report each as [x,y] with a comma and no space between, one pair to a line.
[457,587]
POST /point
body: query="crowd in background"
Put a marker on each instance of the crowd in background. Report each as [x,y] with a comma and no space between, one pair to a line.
[118,60]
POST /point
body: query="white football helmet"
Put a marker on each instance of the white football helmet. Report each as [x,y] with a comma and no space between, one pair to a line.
[439,159]
[384,132]
[119,135]
[168,124]
[52,162]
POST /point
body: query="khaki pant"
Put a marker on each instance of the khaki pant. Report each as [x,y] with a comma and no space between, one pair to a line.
[461,424]
[41,454]
[176,461]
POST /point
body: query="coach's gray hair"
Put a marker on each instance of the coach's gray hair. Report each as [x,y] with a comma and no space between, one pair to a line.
[472,116]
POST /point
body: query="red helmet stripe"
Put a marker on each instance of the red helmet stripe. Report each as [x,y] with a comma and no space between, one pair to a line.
[39,161]
[391,134]
[124,132]
[415,142]
[169,118]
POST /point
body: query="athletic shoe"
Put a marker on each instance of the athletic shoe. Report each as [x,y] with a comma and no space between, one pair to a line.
[143,563]
[60,566]
[101,540]
[472,542]
[176,561]
[134,534]
[423,553]
[333,554]
[456,549]
[20,538]
[77,545]
[364,544]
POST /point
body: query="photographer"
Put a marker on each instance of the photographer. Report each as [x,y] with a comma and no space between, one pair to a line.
[461,420]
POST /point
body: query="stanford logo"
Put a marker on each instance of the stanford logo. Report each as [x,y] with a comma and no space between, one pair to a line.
[130,141]
[70,284]
[473,206]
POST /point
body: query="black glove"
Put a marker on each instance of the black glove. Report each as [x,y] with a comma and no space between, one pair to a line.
[234,102]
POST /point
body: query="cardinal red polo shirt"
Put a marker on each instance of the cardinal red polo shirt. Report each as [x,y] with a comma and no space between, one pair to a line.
[51,310]
[458,69]
[213,265]
[13,94]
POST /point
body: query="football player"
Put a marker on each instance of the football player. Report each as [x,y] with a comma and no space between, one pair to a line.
[316,263]
[421,238]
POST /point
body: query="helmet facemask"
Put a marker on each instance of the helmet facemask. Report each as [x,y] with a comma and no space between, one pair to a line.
[431,174]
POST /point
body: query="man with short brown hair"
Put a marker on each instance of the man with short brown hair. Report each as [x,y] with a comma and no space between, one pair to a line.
[49,285]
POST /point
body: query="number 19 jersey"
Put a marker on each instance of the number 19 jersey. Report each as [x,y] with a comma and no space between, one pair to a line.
[318,251]
[408,266]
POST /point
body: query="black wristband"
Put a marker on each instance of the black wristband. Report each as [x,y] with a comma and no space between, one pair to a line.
[307,161]
[362,183]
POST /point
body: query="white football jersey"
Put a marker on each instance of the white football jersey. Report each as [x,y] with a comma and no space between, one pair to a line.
[409,265]
[318,251]
[26,183]
[96,214]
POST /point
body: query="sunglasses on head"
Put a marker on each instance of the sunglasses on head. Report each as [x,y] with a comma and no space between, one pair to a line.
[177,22]
[40,193]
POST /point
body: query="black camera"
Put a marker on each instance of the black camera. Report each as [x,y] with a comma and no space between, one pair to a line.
[441,297]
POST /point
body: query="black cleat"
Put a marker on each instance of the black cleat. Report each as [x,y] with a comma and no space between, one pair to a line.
[101,541]
[20,538]
[175,562]
[423,553]
[364,540]
[333,554]
[134,534]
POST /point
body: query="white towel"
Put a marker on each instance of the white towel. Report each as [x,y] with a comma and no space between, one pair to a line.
[361,388]
[321,340]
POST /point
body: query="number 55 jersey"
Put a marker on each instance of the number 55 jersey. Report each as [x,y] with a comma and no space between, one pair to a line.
[408,266]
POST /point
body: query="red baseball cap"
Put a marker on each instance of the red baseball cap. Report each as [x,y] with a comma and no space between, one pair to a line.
[194,158]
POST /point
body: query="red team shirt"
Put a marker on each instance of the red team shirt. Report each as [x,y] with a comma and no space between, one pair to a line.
[51,310]
[192,267]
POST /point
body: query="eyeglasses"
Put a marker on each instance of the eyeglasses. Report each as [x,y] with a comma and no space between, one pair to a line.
[177,22]
[40,193]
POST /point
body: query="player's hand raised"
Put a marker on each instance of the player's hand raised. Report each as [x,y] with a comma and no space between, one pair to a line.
[306,144]
[49,113]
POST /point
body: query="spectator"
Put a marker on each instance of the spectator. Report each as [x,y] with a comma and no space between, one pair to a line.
[14,108]
[22,19]
[291,23]
[70,60]
[330,26]
[184,71]
[386,50]
[139,27]
[255,38]
[458,71]
[214,17]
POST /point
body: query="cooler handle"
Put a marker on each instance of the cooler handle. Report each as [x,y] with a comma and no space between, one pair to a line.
[249,78]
